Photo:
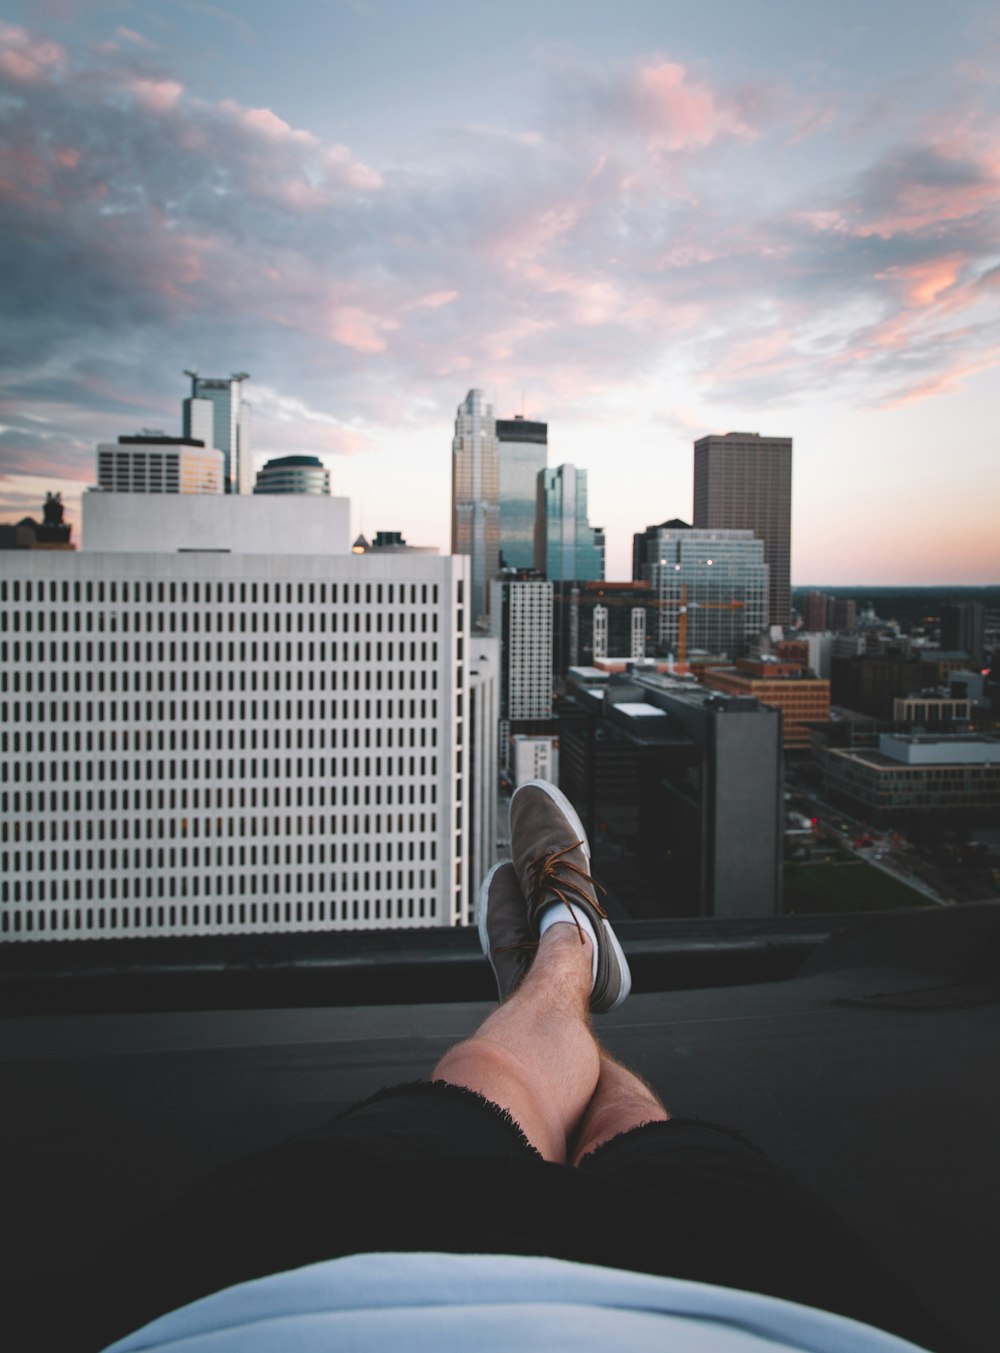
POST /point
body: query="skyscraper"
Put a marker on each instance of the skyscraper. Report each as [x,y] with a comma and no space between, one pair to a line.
[229,429]
[523,450]
[475,498]
[743,481]
[717,580]
[564,539]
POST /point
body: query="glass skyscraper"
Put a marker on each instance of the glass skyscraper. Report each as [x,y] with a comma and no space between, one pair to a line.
[475,497]
[564,539]
[523,450]
[229,422]
[722,577]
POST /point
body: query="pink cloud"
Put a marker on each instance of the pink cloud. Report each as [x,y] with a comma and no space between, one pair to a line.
[763,354]
[433,301]
[26,59]
[921,205]
[339,162]
[266,124]
[358,329]
[157,96]
[68,157]
[291,165]
[681,114]
[925,283]
[945,382]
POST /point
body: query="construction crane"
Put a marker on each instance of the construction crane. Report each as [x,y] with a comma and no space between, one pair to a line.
[683,608]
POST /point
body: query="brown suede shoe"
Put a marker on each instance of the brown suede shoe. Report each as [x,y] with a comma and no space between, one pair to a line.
[551,856]
[504,934]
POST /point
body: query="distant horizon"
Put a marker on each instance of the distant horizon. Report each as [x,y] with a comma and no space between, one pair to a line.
[899,587]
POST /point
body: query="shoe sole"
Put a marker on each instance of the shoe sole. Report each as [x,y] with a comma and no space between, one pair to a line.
[484,893]
[572,817]
[623,968]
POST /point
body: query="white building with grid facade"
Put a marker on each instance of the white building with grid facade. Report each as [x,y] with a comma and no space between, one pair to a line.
[521,617]
[482,721]
[213,743]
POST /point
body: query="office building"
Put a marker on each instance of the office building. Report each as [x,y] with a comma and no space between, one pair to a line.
[680,792]
[521,614]
[601,546]
[522,448]
[534,756]
[710,588]
[802,699]
[475,499]
[868,683]
[293,474]
[844,615]
[646,547]
[593,620]
[152,462]
[216,413]
[201,523]
[521,617]
[934,706]
[483,680]
[816,612]
[811,652]
[212,743]
[963,629]
[564,539]
[743,481]
[913,778]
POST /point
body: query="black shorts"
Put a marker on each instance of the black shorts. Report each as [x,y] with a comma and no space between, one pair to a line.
[431,1166]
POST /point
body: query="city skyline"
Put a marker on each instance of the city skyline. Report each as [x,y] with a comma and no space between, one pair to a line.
[640,228]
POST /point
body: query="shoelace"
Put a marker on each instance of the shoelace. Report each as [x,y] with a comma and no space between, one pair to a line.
[546,877]
[524,942]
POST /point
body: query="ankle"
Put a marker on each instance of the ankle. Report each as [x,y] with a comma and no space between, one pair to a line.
[559,917]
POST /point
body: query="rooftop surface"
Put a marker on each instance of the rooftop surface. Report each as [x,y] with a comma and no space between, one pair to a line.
[860,1054]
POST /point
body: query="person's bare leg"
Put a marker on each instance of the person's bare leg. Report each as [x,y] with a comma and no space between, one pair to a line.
[621,1100]
[535,1055]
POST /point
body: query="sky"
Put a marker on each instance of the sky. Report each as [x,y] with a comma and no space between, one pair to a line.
[640,221]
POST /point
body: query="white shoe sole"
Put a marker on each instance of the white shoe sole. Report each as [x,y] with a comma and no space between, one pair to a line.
[481,919]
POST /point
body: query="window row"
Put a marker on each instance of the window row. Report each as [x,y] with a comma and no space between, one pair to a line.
[162,673]
[231,622]
[184,917]
[195,857]
[148,654]
[159,735]
[388,824]
[173,591]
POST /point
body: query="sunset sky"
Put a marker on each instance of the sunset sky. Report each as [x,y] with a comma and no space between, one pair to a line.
[640,221]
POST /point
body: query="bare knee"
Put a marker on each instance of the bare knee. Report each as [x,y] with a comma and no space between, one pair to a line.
[614,1117]
[501,1077]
